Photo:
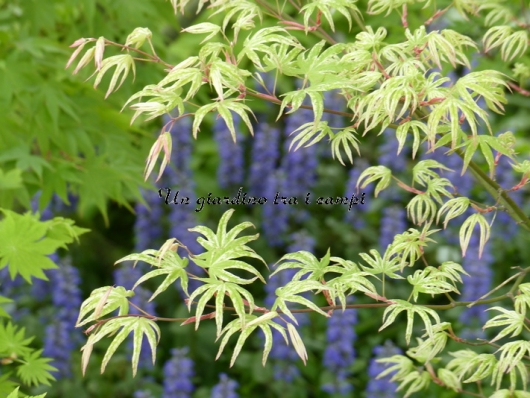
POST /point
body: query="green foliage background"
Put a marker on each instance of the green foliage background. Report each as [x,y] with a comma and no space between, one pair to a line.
[61,136]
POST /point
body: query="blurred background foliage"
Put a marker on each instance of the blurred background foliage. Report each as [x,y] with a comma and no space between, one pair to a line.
[64,150]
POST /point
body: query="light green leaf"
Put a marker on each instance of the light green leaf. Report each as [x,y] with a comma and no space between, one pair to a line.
[346,139]
[314,130]
[415,126]
[449,379]
[409,245]
[13,341]
[26,245]
[200,114]
[392,311]
[202,28]
[327,8]
[103,301]
[467,361]
[430,281]
[422,173]
[169,264]
[403,367]
[513,321]
[421,209]
[375,173]
[307,263]
[418,381]
[454,208]
[140,326]
[35,370]
[252,322]
[290,292]
[386,265]
[466,230]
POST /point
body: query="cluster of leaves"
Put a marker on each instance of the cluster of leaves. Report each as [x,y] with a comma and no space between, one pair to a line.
[385,84]
[26,244]
[53,140]
[59,138]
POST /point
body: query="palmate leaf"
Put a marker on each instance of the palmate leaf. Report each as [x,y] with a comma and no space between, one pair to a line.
[392,311]
[64,230]
[437,187]
[474,366]
[224,108]
[452,271]
[430,281]
[283,58]
[310,131]
[454,208]
[422,173]
[466,230]
[123,62]
[345,139]
[14,394]
[169,263]
[518,371]
[409,245]
[24,160]
[381,265]
[326,7]
[13,341]
[448,113]
[246,11]
[225,75]
[140,326]
[418,381]
[427,349]
[223,249]
[401,92]
[320,64]
[264,322]
[421,209]
[403,367]
[219,289]
[449,379]
[414,127]
[473,85]
[307,263]
[138,37]
[375,173]
[265,40]
[522,300]
[351,278]
[25,245]
[512,44]
[202,28]
[513,322]
[472,144]
[290,292]
[379,6]
[35,370]
[103,301]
